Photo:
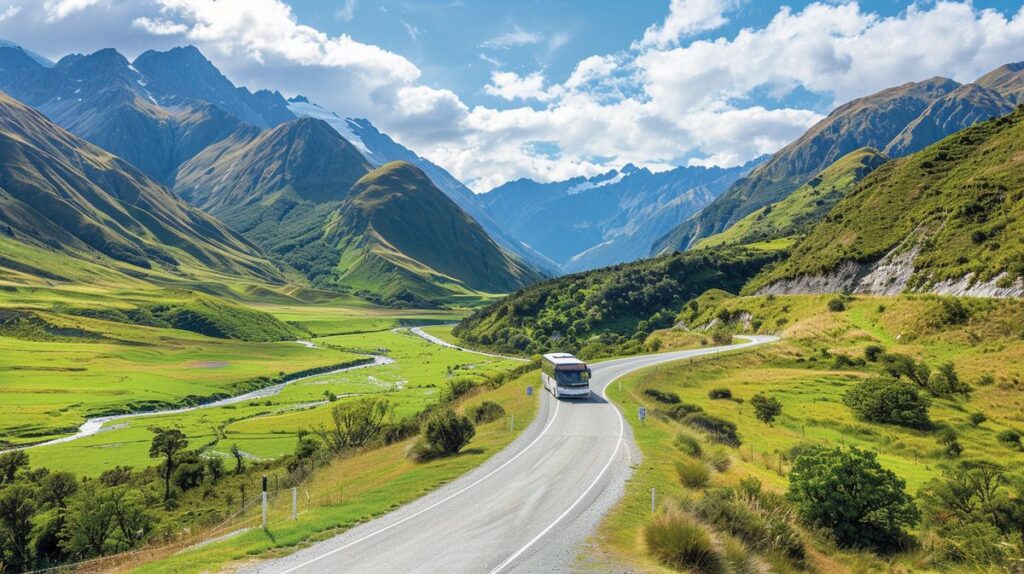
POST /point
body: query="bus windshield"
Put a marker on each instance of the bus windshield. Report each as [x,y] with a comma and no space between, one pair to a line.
[572,378]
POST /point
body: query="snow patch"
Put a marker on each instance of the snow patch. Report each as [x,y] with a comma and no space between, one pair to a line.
[303,108]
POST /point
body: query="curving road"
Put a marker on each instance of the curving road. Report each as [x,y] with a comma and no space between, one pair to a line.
[527,509]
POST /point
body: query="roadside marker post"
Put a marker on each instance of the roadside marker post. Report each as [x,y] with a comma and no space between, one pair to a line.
[642,413]
[652,500]
[264,502]
[529,391]
[295,503]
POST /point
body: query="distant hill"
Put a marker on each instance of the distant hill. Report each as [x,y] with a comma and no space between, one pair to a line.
[948,219]
[60,194]
[961,108]
[798,212]
[1008,80]
[610,218]
[401,237]
[872,121]
[379,149]
[611,310]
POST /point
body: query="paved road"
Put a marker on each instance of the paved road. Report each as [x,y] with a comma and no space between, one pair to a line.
[527,509]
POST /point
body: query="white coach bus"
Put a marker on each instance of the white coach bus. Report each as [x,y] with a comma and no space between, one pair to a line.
[563,375]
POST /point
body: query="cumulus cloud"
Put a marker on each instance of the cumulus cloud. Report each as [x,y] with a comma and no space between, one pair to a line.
[687,17]
[60,9]
[9,12]
[665,100]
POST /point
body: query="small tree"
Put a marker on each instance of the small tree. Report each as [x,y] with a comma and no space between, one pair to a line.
[17,507]
[90,521]
[872,353]
[239,459]
[448,432]
[11,462]
[57,487]
[848,493]
[355,424]
[167,444]
[948,440]
[766,408]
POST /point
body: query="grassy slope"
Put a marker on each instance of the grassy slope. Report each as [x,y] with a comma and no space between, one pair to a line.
[804,207]
[357,489]
[959,200]
[796,372]
[402,238]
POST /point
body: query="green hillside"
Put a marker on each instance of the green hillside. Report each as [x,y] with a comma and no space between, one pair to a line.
[61,195]
[401,238]
[610,310]
[950,212]
[798,212]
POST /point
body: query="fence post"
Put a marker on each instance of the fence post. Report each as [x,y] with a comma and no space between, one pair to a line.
[295,503]
[652,500]
[264,502]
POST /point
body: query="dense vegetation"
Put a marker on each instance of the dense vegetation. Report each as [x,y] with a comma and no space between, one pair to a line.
[610,310]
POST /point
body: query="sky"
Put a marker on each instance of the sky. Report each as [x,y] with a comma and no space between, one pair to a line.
[553,89]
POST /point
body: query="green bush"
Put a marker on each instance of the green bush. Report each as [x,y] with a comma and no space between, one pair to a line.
[766,408]
[693,473]
[719,430]
[762,521]
[888,401]
[679,542]
[679,412]
[976,419]
[836,305]
[1010,438]
[718,457]
[448,432]
[486,412]
[720,394]
[847,492]
[688,444]
[457,388]
[662,396]
[872,353]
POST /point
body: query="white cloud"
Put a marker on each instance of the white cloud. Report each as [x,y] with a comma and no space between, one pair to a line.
[687,17]
[159,26]
[412,31]
[513,38]
[512,86]
[593,67]
[60,9]
[9,12]
[347,11]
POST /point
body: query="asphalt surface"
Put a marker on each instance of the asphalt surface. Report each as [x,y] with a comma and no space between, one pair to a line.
[527,509]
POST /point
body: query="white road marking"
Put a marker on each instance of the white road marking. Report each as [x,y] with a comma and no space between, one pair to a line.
[436,504]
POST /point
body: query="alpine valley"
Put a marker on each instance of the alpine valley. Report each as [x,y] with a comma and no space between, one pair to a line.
[240,331]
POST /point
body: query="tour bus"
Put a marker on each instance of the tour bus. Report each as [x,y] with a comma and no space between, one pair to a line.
[563,375]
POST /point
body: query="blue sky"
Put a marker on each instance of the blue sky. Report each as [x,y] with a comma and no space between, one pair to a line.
[553,89]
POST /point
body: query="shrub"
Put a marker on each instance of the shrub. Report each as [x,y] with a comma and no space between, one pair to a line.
[718,457]
[986,380]
[486,412]
[662,396]
[738,557]
[760,520]
[679,412]
[977,418]
[1010,438]
[888,401]
[766,408]
[448,432]
[847,492]
[721,334]
[950,445]
[688,444]
[719,430]
[457,388]
[873,353]
[836,305]
[720,394]
[946,382]
[679,542]
[693,473]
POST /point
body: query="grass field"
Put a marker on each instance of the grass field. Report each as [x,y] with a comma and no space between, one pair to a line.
[268,428]
[356,489]
[798,373]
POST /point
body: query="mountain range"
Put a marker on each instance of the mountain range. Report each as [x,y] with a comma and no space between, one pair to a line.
[614,217]
[896,120]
